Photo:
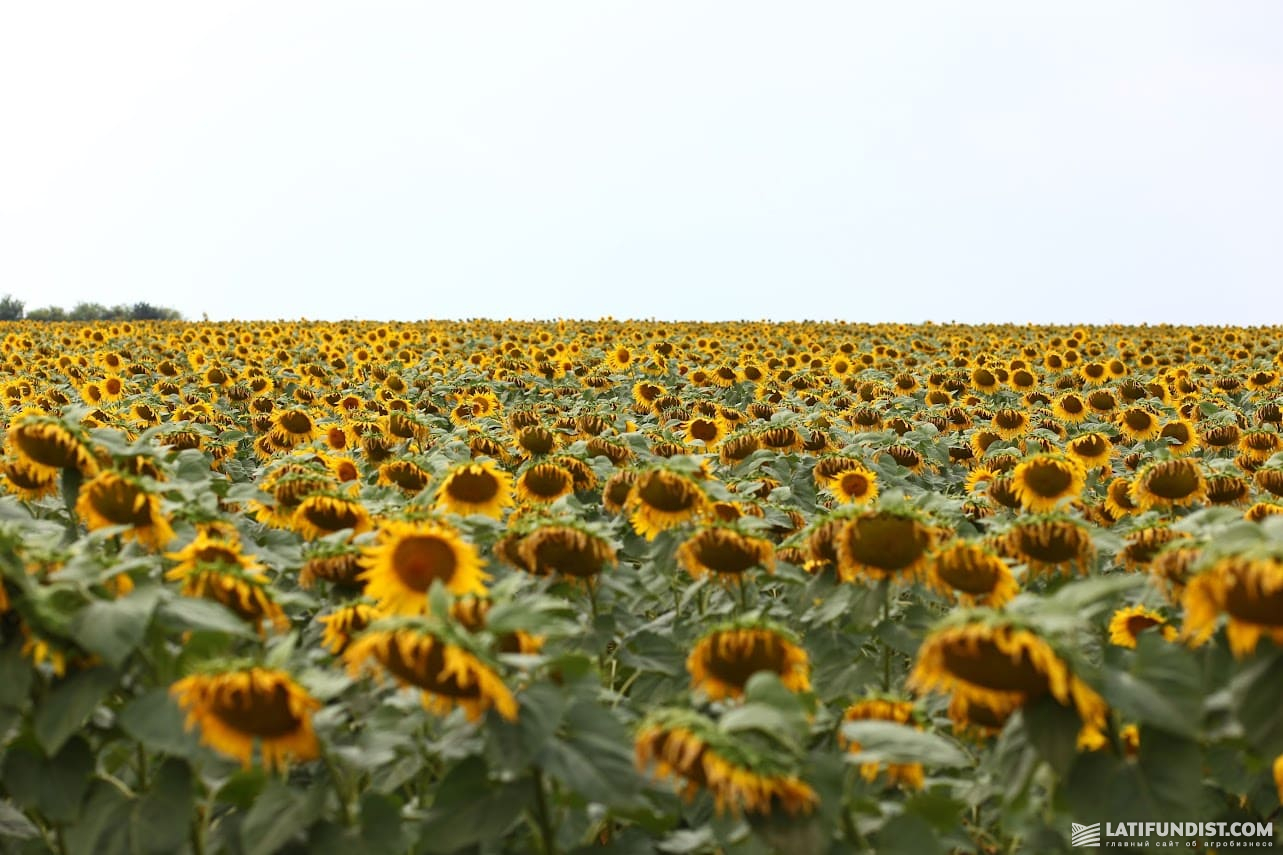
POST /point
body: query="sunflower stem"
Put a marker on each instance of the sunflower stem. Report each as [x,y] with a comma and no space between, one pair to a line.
[340,790]
[886,648]
[743,597]
[71,481]
[142,767]
[542,816]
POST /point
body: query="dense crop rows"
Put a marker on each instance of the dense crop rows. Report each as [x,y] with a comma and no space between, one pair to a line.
[620,587]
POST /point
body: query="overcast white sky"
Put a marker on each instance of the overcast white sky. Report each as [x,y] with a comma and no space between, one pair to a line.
[1004,161]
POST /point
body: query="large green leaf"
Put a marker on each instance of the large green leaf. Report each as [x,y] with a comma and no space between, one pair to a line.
[52,785]
[888,742]
[160,821]
[113,628]
[69,706]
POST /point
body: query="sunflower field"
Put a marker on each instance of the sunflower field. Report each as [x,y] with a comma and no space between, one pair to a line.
[633,587]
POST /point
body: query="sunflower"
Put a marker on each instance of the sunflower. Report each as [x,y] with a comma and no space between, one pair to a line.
[111,499]
[1049,543]
[545,482]
[408,557]
[1167,484]
[45,443]
[1143,544]
[1248,590]
[236,708]
[1180,437]
[1226,488]
[338,565]
[1045,480]
[616,490]
[476,488]
[320,515]
[344,624]
[1001,665]
[565,549]
[1128,623]
[1070,407]
[910,775]
[686,745]
[854,485]
[662,499]
[884,544]
[725,553]
[1092,450]
[405,475]
[724,658]
[1009,423]
[213,567]
[1270,479]
[981,718]
[29,482]
[444,668]
[968,572]
[293,427]
[1137,424]
[706,430]
[1172,566]
[472,613]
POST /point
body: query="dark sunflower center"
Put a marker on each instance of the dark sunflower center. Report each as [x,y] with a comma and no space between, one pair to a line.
[670,495]
[1177,431]
[1136,624]
[546,481]
[407,475]
[1072,405]
[1009,419]
[117,504]
[1222,489]
[726,553]
[986,666]
[331,515]
[733,666]
[1174,480]
[1047,479]
[1093,445]
[265,714]
[473,485]
[1138,420]
[567,552]
[968,572]
[217,554]
[1221,436]
[905,456]
[1248,600]
[338,569]
[779,437]
[1002,489]
[704,430]
[295,421]
[418,561]
[855,484]
[887,542]
[424,669]
[1050,542]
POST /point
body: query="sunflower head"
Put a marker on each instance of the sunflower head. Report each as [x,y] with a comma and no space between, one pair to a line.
[47,443]
[724,658]
[973,574]
[890,543]
[238,708]
[1050,543]
[112,499]
[476,488]
[1248,591]
[909,775]
[408,557]
[323,514]
[1045,480]
[1128,623]
[569,549]
[1168,483]
[725,553]
[662,499]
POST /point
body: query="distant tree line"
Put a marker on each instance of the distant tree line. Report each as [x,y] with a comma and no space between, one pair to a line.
[13,309]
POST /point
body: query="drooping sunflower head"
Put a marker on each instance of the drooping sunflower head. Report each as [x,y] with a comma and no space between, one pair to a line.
[725,553]
[616,490]
[345,623]
[236,709]
[408,557]
[1168,483]
[999,664]
[889,543]
[27,481]
[662,499]
[213,567]
[112,499]
[444,666]
[1118,498]
[973,574]
[1248,590]
[688,746]
[404,474]
[570,549]
[337,564]
[724,658]
[1128,623]
[1092,450]
[1138,423]
[1050,543]
[322,514]
[1145,543]
[46,443]
[476,488]
[545,483]
[1044,481]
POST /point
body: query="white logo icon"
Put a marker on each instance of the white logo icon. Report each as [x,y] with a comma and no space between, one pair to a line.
[1084,835]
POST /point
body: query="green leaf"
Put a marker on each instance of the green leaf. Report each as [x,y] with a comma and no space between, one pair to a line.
[14,824]
[156,721]
[52,785]
[99,831]
[381,828]
[594,758]
[190,613]
[1053,732]
[1165,784]
[15,677]
[69,706]
[907,834]
[888,742]
[160,822]
[1258,697]
[113,628]
[470,808]
[280,814]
